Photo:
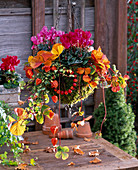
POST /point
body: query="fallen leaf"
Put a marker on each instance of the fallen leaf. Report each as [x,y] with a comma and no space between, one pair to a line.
[49,150]
[22,167]
[26,142]
[87,139]
[94,153]
[27,150]
[71,163]
[77,150]
[95,161]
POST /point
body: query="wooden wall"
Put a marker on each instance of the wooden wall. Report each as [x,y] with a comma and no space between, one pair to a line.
[15,30]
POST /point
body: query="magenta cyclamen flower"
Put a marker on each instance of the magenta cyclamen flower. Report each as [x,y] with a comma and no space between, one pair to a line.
[46,36]
[9,63]
[78,38]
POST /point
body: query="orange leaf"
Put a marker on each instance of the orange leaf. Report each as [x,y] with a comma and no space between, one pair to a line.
[45,55]
[71,163]
[27,150]
[54,99]
[94,153]
[74,126]
[86,78]
[38,81]
[93,84]
[22,167]
[80,70]
[87,70]
[54,141]
[36,61]
[77,150]
[95,161]
[49,150]
[87,139]
[47,63]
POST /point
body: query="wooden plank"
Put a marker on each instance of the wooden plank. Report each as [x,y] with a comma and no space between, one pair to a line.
[15,11]
[111,34]
[38,16]
[69,27]
[38,21]
[55,13]
[83,14]
[15,4]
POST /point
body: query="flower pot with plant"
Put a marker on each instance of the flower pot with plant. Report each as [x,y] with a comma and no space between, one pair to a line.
[9,80]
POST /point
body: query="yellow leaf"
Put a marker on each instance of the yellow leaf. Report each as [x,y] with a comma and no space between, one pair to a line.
[11,119]
[57,49]
[18,128]
[30,58]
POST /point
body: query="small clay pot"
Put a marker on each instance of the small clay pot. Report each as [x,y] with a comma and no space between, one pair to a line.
[48,123]
[84,131]
[65,134]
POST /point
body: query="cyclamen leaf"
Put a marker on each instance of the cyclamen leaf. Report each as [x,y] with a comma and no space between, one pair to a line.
[40,118]
[45,108]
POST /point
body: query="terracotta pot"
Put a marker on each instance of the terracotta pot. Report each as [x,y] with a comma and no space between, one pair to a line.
[48,123]
[65,134]
[84,131]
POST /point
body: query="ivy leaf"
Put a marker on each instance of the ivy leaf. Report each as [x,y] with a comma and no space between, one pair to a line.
[40,118]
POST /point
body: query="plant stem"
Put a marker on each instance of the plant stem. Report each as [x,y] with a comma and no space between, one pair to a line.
[104,108]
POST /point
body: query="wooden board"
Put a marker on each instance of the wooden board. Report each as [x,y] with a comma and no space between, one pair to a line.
[15,34]
[112,157]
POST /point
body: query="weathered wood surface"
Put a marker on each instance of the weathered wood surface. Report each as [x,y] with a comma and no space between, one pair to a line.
[15,34]
[112,157]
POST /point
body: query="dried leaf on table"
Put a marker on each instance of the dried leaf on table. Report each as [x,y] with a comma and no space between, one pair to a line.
[27,150]
[71,163]
[94,153]
[87,139]
[49,150]
[20,102]
[22,167]
[95,161]
[77,150]
[26,142]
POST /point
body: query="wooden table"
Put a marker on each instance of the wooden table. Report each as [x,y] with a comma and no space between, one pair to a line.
[112,157]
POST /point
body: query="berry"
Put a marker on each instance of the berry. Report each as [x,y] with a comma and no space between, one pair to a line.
[75,80]
[62,92]
[58,91]
[53,68]
[70,91]
[74,84]
[72,88]
[75,76]
[66,92]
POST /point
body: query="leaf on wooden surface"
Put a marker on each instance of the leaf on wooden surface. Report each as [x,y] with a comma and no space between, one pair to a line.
[49,150]
[71,164]
[95,161]
[87,139]
[77,150]
[22,167]
[94,153]
[27,150]
[26,142]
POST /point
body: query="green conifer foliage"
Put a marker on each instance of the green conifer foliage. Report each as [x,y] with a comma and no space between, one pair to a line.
[119,125]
